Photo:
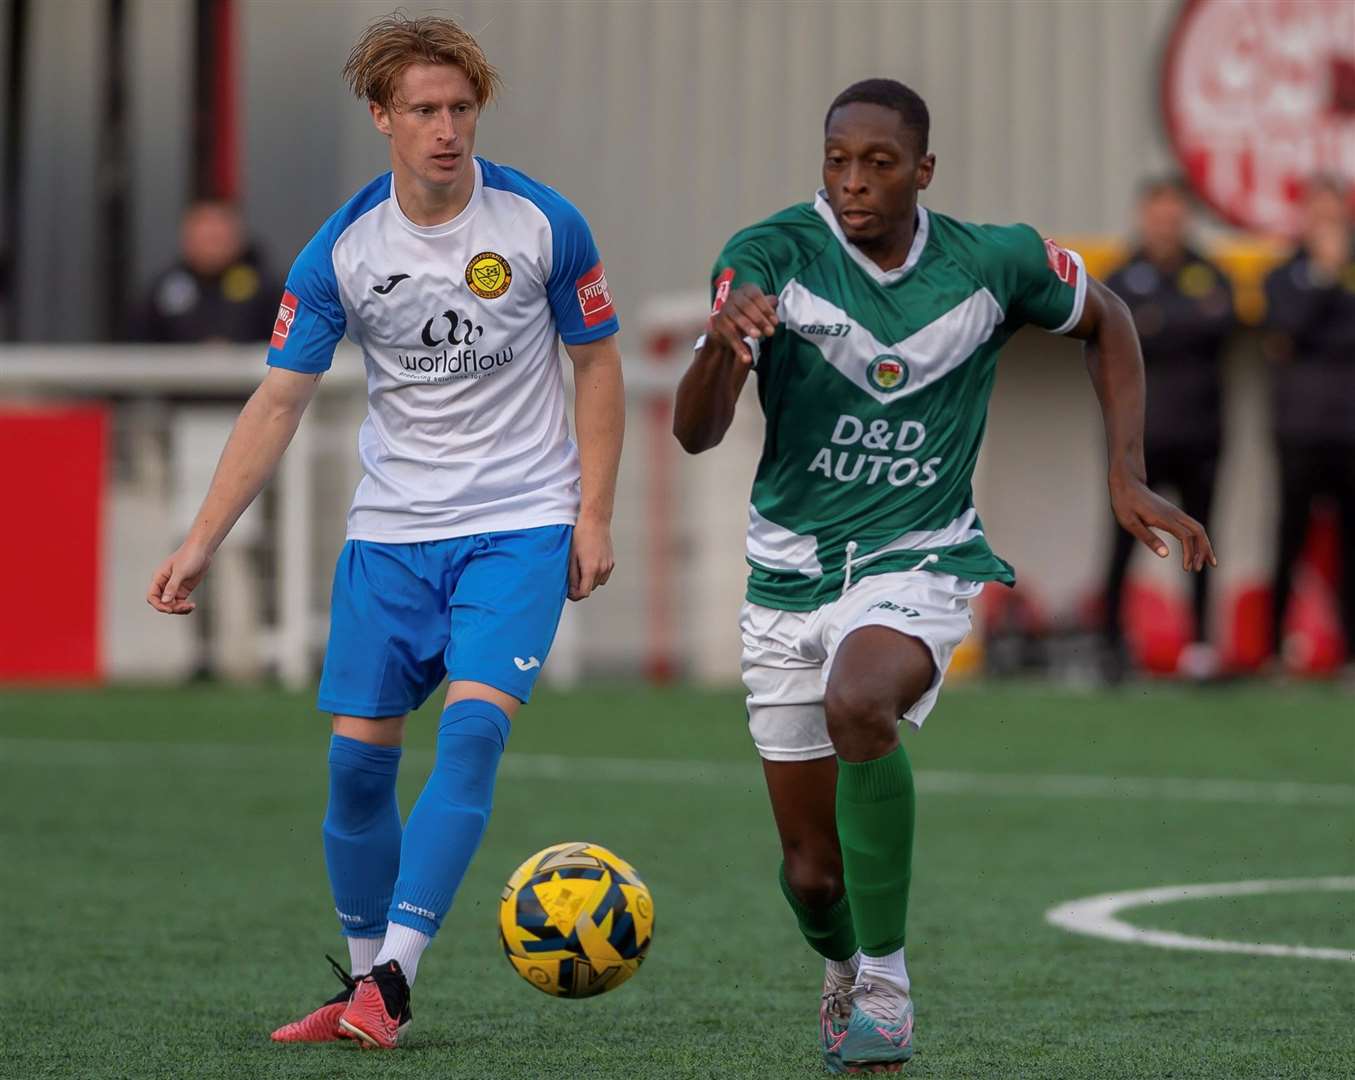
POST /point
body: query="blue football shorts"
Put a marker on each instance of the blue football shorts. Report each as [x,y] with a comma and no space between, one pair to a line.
[404,616]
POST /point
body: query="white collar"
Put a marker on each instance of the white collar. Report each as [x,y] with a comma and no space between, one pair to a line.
[884,277]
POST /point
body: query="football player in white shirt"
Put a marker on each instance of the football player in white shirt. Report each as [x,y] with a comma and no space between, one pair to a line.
[476,514]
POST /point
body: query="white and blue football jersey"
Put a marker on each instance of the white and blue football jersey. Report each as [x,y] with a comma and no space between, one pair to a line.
[466,429]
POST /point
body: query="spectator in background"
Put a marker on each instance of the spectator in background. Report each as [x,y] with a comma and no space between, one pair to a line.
[1183,307]
[1310,305]
[219,290]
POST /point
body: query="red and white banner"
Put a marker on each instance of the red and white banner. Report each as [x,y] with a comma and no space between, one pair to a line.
[1258,96]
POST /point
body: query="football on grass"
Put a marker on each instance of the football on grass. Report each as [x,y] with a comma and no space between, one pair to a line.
[575,920]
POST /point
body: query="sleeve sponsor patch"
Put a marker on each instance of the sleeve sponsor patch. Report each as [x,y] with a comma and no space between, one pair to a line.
[283,325]
[595,299]
[723,284]
[1061,262]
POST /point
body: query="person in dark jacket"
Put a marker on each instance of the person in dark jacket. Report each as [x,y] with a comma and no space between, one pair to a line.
[218,290]
[1310,307]
[1183,307]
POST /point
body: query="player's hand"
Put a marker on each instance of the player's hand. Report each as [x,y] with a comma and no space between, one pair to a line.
[1139,511]
[746,313]
[590,557]
[176,578]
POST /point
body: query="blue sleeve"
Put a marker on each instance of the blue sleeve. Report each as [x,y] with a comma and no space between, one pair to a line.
[311,319]
[577,287]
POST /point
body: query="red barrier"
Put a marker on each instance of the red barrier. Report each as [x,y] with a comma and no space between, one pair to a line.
[1158,624]
[51,541]
[1312,625]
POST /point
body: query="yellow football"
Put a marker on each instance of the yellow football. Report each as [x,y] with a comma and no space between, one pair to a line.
[575,920]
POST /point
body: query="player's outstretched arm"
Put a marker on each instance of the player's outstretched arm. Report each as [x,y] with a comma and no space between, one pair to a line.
[261,434]
[599,423]
[1115,364]
[709,390]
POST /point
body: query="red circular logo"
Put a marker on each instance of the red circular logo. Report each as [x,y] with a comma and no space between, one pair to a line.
[1258,96]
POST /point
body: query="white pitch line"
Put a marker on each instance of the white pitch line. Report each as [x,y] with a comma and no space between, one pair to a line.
[96,752]
[1166,788]
[1095,916]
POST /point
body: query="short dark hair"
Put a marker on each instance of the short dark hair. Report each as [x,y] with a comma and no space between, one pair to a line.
[892,95]
[1164,184]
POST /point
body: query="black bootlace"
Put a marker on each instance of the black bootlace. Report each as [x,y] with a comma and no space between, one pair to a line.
[349,983]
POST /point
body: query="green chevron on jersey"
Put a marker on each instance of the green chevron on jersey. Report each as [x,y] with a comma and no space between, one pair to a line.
[875,390]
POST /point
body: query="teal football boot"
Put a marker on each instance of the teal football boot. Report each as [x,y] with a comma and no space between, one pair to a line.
[879,1035]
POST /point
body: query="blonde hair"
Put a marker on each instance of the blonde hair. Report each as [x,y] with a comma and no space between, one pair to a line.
[393,43]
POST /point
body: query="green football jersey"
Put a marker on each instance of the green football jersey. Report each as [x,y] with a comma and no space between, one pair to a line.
[875,390]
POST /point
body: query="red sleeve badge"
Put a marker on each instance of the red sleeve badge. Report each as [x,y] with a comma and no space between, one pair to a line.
[1061,262]
[595,299]
[723,284]
[286,315]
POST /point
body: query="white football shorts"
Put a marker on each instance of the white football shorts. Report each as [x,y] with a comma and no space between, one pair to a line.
[788,655]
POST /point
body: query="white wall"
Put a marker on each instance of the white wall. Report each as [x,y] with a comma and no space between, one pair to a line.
[672,124]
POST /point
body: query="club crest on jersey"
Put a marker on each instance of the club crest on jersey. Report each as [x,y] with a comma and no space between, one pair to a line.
[489,275]
[887,372]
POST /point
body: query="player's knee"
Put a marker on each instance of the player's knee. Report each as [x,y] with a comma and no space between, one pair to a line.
[361,786]
[862,721]
[815,877]
[355,789]
[471,740]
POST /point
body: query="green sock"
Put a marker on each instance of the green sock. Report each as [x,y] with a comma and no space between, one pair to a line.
[828,930]
[876,808]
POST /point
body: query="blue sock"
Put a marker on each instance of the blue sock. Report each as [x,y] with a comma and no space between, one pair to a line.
[446,824]
[362,833]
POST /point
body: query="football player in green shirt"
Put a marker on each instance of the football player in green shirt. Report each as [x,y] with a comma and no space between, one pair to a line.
[874,327]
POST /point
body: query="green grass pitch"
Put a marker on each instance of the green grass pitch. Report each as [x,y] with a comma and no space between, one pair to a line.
[165,900]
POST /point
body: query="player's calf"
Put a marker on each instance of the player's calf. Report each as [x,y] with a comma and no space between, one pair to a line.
[879,675]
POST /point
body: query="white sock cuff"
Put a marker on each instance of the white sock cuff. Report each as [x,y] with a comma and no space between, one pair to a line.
[889,969]
[362,954]
[405,945]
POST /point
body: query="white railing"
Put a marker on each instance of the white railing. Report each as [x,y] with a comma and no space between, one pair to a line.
[144,374]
